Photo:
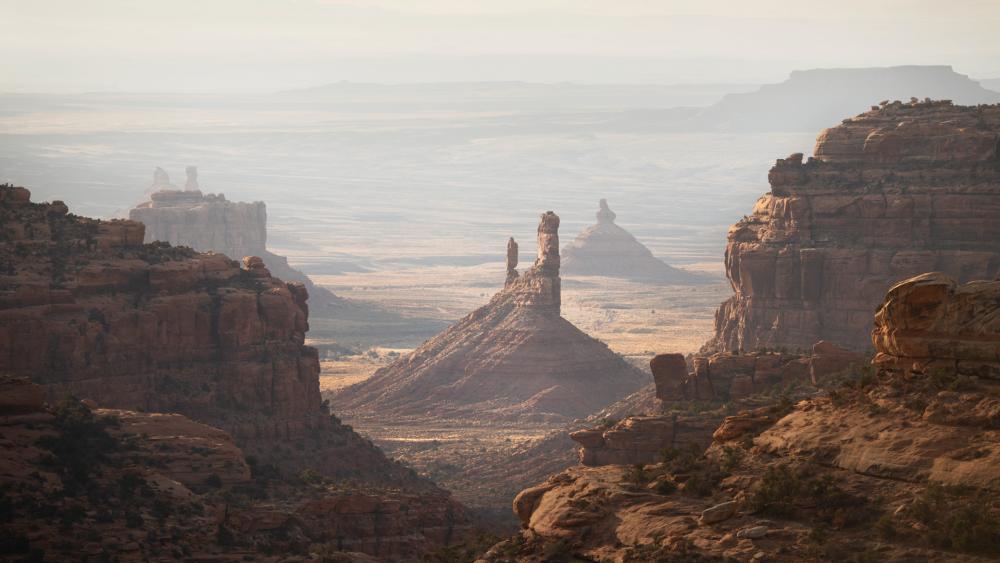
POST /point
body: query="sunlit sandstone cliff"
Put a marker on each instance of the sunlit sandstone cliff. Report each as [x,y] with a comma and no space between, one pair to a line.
[516,356]
[902,189]
[899,463]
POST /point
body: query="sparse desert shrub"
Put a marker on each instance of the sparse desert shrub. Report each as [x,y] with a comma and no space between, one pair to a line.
[635,475]
[785,492]
[732,457]
[959,519]
[666,486]
[82,441]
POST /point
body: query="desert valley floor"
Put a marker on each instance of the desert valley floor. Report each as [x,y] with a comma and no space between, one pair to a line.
[636,319]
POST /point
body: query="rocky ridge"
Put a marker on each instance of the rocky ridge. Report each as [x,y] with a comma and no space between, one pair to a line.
[898,463]
[514,357]
[211,223]
[606,249]
[900,190]
[108,483]
[87,309]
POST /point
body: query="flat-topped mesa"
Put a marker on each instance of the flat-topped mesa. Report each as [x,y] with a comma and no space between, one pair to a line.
[900,190]
[205,222]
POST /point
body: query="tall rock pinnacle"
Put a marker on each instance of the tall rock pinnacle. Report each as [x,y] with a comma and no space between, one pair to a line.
[515,356]
[604,214]
[192,178]
[511,261]
[548,244]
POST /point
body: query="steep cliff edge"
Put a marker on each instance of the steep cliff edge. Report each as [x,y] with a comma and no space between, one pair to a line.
[899,463]
[902,189]
[514,357]
[87,309]
[210,223]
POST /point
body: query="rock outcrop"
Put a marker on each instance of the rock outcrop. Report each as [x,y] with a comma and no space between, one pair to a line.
[514,357]
[79,483]
[899,463]
[605,249]
[86,309]
[211,223]
[645,432]
[902,189]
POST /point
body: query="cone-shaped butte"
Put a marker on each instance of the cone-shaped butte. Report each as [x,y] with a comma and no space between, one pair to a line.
[605,249]
[513,358]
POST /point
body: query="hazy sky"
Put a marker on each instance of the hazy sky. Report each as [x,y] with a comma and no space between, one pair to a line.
[263,45]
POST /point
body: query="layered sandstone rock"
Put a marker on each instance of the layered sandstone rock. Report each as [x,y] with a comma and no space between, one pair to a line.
[211,223]
[643,439]
[87,309]
[605,249]
[714,379]
[154,486]
[514,357]
[865,464]
[903,189]
[724,376]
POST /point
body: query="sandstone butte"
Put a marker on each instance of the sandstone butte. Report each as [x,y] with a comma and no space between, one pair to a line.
[211,223]
[514,358]
[87,309]
[606,249]
[899,464]
[902,189]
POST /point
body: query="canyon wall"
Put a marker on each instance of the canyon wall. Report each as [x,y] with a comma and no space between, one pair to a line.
[900,190]
[87,309]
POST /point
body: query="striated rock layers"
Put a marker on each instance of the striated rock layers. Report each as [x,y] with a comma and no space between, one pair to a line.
[894,192]
[514,357]
[87,309]
[734,379]
[211,223]
[897,465]
[83,483]
[605,249]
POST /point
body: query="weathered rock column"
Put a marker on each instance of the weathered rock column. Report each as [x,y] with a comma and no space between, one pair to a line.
[511,261]
[548,244]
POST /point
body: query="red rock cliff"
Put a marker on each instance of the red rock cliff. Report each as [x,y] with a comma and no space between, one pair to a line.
[894,192]
[87,309]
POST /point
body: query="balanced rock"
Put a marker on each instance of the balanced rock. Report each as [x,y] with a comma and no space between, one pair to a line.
[900,190]
[514,357]
[605,249]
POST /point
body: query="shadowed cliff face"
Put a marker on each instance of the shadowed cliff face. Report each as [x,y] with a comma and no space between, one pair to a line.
[515,357]
[87,309]
[894,192]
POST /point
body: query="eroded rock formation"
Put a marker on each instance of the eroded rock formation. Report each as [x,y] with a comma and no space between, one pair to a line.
[895,464]
[714,380]
[211,223]
[514,357]
[87,309]
[156,486]
[902,189]
[605,249]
